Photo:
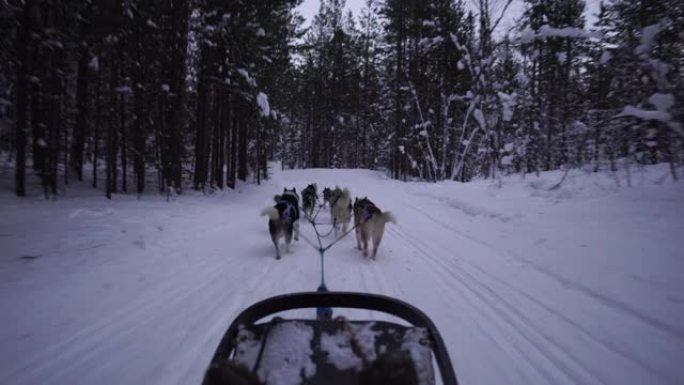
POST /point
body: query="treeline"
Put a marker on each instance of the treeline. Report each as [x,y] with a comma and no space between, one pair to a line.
[173,94]
[427,89]
[116,88]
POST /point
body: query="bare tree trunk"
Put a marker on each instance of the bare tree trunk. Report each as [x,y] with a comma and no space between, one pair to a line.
[22,100]
[96,129]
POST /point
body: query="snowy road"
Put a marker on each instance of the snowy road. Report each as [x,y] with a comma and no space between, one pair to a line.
[576,286]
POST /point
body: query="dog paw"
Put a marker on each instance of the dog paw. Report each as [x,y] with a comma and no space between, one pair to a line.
[277,257]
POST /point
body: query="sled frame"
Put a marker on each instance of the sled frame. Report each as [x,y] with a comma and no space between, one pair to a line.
[348,300]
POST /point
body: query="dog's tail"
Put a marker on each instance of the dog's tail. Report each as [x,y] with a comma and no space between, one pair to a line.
[346,193]
[271,212]
[388,217]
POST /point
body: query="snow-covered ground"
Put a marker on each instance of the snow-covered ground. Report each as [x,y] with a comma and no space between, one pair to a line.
[578,285]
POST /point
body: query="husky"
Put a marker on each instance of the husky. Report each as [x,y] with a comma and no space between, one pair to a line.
[369,222]
[327,194]
[283,218]
[340,208]
[309,198]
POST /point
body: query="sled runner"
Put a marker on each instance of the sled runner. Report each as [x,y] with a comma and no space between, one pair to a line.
[330,351]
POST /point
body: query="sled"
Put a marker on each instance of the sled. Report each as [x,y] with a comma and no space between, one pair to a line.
[330,351]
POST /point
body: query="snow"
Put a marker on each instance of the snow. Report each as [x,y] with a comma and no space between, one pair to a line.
[508,103]
[648,35]
[662,102]
[123,89]
[527,284]
[605,57]
[529,35]
[365,339]
[262,102]
[661,116]
[287,355]
[340,352]
[247,349]
[41,143]
[94,63]
[479,117]
[507,160]
[421,355]
[245,74]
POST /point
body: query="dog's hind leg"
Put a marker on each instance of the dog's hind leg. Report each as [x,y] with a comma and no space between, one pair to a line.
[377,238]
[296,230]
[275,243]
[345,225]
[364,239]
[287,233]
[358,237]
[274,231]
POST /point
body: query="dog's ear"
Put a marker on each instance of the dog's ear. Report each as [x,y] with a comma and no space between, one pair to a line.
[294,190]
[284,189]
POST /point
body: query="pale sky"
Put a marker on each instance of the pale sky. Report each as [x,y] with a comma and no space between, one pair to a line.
[309,8]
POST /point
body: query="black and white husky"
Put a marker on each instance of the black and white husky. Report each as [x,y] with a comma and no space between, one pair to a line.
[283,219]
[370,224]
[309,198]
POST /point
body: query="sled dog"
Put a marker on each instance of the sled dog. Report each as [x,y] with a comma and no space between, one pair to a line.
[370,224]
[340,208]
[283,218]
[327,195]
[309,198]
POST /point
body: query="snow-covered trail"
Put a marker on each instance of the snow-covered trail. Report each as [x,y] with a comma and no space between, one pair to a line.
[525,286]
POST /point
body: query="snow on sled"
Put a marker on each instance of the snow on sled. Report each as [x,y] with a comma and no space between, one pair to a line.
[326,351]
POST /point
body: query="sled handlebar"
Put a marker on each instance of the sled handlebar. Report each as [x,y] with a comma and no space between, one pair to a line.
[349,300]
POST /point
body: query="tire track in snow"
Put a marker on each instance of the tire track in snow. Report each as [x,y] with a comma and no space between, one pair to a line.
[545,344]
[484,314]
[61,359]
[73,351]
[597,339]
[479,274]
[481,317]
[614,304]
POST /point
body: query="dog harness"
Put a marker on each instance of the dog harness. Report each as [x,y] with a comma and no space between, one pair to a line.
[368,211]
[288,212]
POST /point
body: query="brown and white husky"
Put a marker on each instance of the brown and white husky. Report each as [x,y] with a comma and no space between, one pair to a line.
[370,224]
[340,209]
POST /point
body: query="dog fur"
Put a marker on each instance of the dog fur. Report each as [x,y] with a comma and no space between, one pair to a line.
[370,224]
[283,219]
[340,208]
[309,198]
[327,194]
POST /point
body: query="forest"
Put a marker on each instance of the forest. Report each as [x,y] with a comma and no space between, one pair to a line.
[135,96]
